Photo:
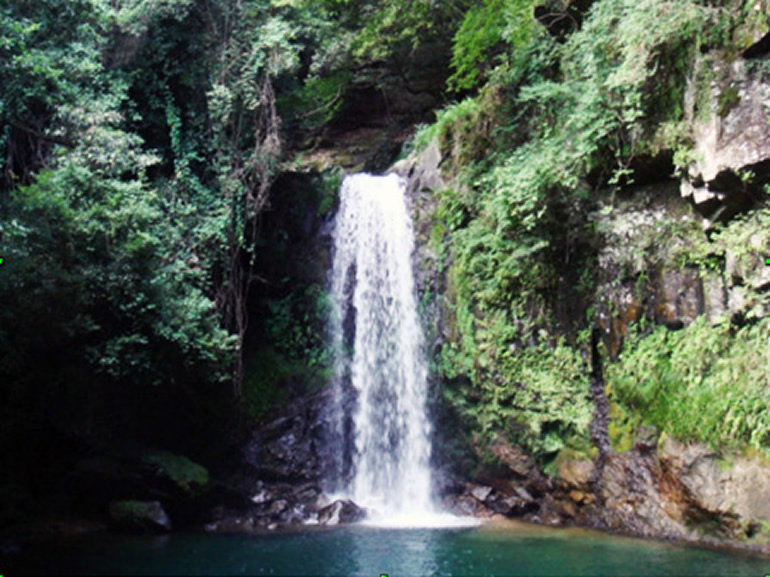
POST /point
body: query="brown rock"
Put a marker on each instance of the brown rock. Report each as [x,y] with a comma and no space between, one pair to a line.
[576,473]
[513,457]
[577,496]
[736,485]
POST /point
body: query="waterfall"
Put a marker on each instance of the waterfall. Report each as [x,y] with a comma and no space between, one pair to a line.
[380,385]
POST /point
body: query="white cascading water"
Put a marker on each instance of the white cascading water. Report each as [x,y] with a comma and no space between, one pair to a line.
[385,367]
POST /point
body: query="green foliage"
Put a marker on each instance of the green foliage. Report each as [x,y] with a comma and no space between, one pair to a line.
[264,386]
[549,118]
[295,327]
[475,43]
[138,143]
[49,58]
[539,398]
[489,30]
[297,357]
[399,27]
[99,250]
[746,238]
[701,383]
[330,186]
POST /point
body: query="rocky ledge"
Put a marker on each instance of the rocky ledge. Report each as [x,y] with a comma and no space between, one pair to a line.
[659,489]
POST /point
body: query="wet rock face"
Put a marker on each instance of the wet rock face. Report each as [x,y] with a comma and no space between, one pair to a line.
[646,233]
[422,172]
[634,497]
[667,490]
[341,511]
[513,487]
[732,142]
[719,486]
[289,449]
[484,501]
[271,505]
[577,473]
[285,461]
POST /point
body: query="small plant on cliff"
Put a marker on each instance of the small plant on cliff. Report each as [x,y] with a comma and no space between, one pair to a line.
[701,383]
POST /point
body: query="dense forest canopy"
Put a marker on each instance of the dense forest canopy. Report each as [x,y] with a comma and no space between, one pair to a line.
[139,143]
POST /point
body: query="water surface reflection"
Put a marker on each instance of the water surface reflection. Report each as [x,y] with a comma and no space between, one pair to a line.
[514,549]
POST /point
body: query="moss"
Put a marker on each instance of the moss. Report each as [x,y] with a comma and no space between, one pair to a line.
[139,515]
[437,234]
[728,99]
[189,476]
[622,427]
[725,464]
[328,192]
[583,453]
[124,510]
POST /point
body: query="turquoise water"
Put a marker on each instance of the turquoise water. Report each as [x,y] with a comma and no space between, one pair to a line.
[372,552]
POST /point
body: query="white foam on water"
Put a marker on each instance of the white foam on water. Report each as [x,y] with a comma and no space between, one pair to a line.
[421,521]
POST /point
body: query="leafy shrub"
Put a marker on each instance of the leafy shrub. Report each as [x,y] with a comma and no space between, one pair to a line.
[550,118]
[701,383]
[539,397]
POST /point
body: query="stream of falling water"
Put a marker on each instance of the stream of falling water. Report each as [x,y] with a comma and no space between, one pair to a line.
[381,367]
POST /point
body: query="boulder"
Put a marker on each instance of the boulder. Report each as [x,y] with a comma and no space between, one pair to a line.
[186,478]
[732,140]
[145,475]
[466,505]
[142,516]
[719,485]
[576,472]
[521,465]
[341,511]
[512,505]
[480,493]
[523,494]
[422,171]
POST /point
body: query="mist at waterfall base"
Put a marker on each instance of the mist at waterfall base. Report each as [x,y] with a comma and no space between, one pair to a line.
[378,419]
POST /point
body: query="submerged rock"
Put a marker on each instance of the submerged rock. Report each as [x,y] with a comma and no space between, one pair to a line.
[143,516]
[341,511]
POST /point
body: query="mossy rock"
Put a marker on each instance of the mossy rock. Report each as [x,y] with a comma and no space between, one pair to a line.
[139,516]
[190,477]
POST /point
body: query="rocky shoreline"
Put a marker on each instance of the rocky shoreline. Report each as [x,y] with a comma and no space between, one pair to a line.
[659,489]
